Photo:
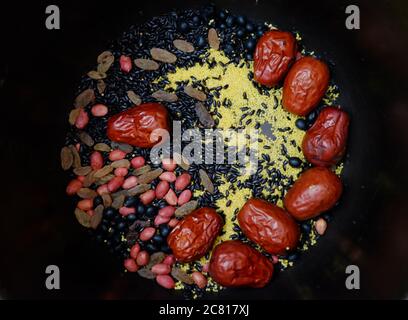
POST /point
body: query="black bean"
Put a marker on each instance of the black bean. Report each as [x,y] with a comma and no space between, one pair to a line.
[229,21]
[151,248]
[241,20]
[250,27]
[109,213]
[131,218]
[301,124]
[164,229]
[97,201]
[140,209]
[295,162]
[150,211]
[241,33]
[157,239]
[131,202]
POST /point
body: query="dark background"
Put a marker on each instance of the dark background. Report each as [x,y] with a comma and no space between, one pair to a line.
[39,71]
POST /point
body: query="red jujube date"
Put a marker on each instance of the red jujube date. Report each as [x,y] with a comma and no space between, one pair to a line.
[235,264]
[274,53]
[195,234]
[135,125]
[269,226]
[317,190]
[324,144]
[305,85]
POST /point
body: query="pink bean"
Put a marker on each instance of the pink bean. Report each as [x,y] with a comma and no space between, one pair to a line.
[130,265]
[165,281]
[161,189]
[115,183]
[73,187]
[85,204]
[169,164]
[125,211]
[182,181]
[121,172]
[147,197]
[173,222]
[147,233]
[81,178]
[96,160]
[138,162]
[102,189]
[199,279]
[161,268]
[206,267]
[134,251]
[158,220]
[82,119]
[99,110]
[170,260]
[171,197]
[167,211]
[184,197]
[168,176]
[125,63]
[117,155]
[142,258]
[129,183]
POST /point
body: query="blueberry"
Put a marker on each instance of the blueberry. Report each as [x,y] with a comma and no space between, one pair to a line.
[140,209]
[222,14]
[131,218]
[259,33]
[228,49]
[208,11]
[131,202]
[97,201]
[103,228]
[295,162]
[311,117]
[150,211]
[164,230]
[250,44]
[229,21]
[157,239]
[109,213]
[121,226]
[183,26]
[306,227]
[241,33]
[165,248]
[241,20]
[293,256]
[150,247]
[223,26]
[201,42]
[249,56]
[301,124]
[196,20]
[250,27]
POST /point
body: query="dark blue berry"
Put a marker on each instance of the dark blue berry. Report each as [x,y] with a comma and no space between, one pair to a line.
[131,202]
[249,56]
[165,248]
[228,49]
[183,26]
[158,239]
[241,33]
[250,44]
[201,42]
[131,218]
[250,27]
[164,230]
[109,213]
[140,209]
[301,124]
[97,201]
[229,21]
[150,211]
[223,26]
[150,247]
[295,162]
[241,20]
[311,117]
[222,14]
[196,20]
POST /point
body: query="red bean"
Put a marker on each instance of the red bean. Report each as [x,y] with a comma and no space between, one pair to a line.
[99,110]
[82,119]
[168,176]
[184,197]
[130,265]
[129,183]
[73,187]
[147,233]
[115,183]
[125,211]
[142,258]
[173,222]
[138,162]
[161,268]
[167,211]
[134,251]
[125,63]
[85,204]
[170,260]
[121,172]
[147,197]
[102,189]
[117,155]
[96,160]
[165,281]
[161,189]
[158,220]
[171,197]
[182,181]
[169,164]
[199,279]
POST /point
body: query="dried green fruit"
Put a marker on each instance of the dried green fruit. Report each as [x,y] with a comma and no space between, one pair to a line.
[75,155]
[105,60]
[146,273]
[206,181]
[102,147]
[146,64]
[155,258]
[163,55]
[106,199]
[103,171]
[101,86]
[84,98]
[139,189]
[82,171]
[150,176]
[181,275]
[195,93]
[124,163]
[186,209]
[204,116]
[86,138]
[97,217]
[122,146]
[95,75]
[67,158]
[142,170]
[162,95]
[83,218]
[73,115]
[134,97]
[213,39]
[118,201]
[89,179]
[104,179]
[183,45]
[87,193]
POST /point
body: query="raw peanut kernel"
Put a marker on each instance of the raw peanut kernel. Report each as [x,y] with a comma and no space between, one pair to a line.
[99,110]
[162,189]
[182,181]
[117,155]
[96,160]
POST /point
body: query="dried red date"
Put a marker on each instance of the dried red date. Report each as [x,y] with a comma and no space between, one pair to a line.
[324,144]
[194,235]
[274,52]
[305,85]
[317,190]
[235,264]
[269,226]
[135,125]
